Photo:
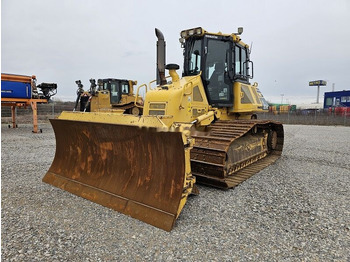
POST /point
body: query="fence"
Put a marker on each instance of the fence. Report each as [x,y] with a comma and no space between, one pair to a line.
[305,117]
[45,112]
[309,117]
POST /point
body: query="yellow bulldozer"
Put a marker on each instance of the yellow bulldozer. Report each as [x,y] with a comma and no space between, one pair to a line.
[109,94]
[200,128]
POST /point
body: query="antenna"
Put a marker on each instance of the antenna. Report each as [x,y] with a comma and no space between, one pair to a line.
[251,47]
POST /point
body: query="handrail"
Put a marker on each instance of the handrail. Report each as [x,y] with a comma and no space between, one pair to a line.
[150,87]
[137,95]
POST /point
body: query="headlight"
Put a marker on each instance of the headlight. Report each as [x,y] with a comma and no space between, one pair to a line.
[191,32]
[198,31]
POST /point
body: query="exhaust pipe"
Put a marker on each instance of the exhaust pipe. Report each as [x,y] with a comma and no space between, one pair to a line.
[160,73]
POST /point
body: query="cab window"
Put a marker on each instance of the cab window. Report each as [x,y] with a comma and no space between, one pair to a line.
[125,88]
[238,60]
[114,93]
[194,66]
[241,60]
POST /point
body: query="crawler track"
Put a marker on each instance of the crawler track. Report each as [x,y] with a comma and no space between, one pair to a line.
[232,151]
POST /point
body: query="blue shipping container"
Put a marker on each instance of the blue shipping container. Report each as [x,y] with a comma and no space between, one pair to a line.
[11,89]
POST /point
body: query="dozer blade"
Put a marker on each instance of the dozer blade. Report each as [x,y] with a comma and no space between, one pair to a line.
[137,171]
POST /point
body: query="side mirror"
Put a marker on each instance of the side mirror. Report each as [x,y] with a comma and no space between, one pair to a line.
[246,65]
[252,71]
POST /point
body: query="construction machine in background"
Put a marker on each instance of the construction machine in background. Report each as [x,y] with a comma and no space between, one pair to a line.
[200,127]
[109,94]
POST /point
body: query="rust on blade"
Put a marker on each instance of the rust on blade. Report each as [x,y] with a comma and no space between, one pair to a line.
[137,171]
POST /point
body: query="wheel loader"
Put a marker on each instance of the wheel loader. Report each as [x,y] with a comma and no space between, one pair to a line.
[109,94]
[200,127]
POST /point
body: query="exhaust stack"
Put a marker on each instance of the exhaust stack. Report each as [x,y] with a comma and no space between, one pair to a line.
[160,73]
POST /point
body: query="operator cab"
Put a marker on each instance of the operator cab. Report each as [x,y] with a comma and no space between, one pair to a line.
[116,87]
[222,59]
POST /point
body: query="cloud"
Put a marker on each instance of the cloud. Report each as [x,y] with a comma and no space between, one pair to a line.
[62,41]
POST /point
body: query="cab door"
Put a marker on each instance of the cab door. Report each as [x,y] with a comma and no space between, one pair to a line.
[115,90]
[216,72]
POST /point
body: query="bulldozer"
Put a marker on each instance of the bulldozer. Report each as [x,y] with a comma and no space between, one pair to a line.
[109,94]
[198,128]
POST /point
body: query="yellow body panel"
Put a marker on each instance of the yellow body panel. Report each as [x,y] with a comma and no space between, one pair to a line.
[127,99]
[101,101]
[184,99]
[246,99]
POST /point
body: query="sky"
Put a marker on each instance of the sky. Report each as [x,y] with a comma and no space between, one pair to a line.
[61,41]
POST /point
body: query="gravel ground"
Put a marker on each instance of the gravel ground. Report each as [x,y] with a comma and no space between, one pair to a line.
[295,210]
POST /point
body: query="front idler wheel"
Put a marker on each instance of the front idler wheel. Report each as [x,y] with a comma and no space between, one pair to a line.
[272,140]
